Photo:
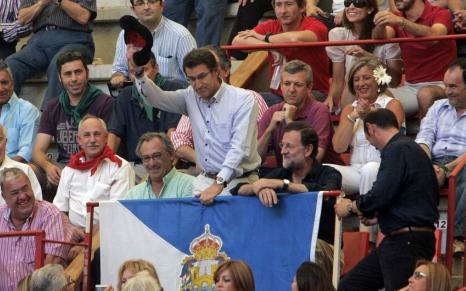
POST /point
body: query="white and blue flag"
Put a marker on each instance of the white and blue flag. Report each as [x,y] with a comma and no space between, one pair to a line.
[186,240]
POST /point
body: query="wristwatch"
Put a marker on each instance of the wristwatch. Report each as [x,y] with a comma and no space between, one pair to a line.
[220,181]
[349,208]
[286,184]
[267,36]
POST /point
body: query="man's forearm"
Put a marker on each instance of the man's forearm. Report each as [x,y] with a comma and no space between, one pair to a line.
[28,14]
[76,11]
[186,153]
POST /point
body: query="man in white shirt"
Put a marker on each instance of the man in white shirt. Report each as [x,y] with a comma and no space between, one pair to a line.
[95,173]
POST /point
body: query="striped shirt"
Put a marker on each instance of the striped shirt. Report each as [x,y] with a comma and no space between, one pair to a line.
[10,29]
[183,135]
[172,42]
[17,254]
[443,131]
[54,15]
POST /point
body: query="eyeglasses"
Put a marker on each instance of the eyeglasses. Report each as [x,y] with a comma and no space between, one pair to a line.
[155,157]
[287,146]
[200,77]
[356,3]
[139,3]
[419,275]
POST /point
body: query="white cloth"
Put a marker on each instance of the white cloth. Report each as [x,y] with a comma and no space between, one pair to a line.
[365,158]
[76,188]
[385,52]
[172,42]
[9,163]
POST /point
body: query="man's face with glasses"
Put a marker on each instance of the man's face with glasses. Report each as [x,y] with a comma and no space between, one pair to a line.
[292,150]
[148,11]
[156,159]
[204,81]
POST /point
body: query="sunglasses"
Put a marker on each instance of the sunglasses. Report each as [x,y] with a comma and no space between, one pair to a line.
[419,275]
[356,3]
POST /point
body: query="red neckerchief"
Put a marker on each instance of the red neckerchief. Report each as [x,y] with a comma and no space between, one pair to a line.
[78,160]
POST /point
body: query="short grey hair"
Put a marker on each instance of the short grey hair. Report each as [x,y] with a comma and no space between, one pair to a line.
[48,278]
[90,116]
[4,67]
[296,66]
[148,136]
[8,174]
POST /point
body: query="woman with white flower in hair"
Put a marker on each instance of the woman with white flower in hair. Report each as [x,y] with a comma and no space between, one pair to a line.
[358,23]
[368,82]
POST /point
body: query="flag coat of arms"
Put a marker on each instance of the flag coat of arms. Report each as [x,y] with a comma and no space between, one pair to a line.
[186,241]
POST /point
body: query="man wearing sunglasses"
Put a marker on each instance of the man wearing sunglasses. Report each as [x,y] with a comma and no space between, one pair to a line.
[292,25]
[223,119]
[424,62]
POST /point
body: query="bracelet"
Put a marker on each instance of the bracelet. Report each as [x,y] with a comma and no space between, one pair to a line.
[351,118]
[267,36]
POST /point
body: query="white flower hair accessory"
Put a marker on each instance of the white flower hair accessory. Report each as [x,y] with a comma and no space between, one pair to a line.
[381,76]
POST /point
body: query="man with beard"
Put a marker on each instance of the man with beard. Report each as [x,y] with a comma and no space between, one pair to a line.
[157,155]
[424,62]
[301,172]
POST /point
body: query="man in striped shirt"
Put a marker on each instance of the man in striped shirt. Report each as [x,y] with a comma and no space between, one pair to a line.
[21,213]
[172,42]
[10,28]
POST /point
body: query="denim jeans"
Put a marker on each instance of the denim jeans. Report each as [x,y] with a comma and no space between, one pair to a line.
[460,196]
[391,264]
[210,16]
[40,55]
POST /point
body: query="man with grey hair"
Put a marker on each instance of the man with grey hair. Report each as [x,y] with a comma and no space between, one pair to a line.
[95,173]
[18,116]
[50,277]
[299,104]
[164,181]
[6,162]
[23,212]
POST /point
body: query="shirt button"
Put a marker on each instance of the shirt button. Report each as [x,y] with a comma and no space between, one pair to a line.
[207,121]
[205,160]
[206,144]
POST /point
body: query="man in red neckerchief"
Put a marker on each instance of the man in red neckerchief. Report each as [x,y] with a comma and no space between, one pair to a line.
[95,173]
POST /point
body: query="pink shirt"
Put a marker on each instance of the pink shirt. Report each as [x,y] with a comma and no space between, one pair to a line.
[183,135]
[17,254]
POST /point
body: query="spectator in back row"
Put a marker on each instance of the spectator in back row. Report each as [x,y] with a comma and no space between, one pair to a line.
[299,104]
[358,23]
[164,181]
[131,117]
[182,137]
[60,119]
[23,212]
[424,62]
[94,173]
[58,26]
[172,42]
[443,137]
[223,119]
[291,25]
[18,116]
[6,162]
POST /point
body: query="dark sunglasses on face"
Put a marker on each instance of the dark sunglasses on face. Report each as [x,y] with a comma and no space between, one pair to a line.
[356,3]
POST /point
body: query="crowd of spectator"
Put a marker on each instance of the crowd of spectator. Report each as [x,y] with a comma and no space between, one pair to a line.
[179,129]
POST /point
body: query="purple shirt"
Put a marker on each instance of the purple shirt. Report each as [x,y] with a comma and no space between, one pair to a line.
[55,122]
[313,112]
[17,254]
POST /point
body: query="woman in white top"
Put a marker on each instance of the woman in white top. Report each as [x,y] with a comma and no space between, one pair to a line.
[368,81]
[358,21]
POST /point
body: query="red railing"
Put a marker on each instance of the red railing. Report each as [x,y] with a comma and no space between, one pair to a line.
[452,181]
[40,242]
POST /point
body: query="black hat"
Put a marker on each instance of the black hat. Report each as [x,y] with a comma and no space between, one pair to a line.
[139,36]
